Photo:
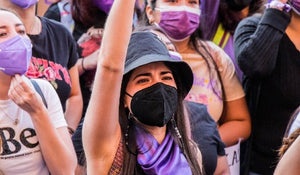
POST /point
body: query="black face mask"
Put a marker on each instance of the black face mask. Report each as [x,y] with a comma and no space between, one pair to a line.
[155,105]
[238,5]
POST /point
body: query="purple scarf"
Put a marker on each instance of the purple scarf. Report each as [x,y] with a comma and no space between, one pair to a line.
[164,159]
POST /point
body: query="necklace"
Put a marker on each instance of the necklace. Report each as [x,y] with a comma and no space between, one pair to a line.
[15,120]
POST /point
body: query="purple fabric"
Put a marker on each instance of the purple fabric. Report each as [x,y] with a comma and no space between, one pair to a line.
[104,5]
[24,3]
[229,49]
[48,2]
[296,5]
[209,17]
[179,24]
[175,55]
[15,55]
[165,158]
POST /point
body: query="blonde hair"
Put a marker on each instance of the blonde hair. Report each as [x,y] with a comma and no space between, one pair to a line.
[287,142]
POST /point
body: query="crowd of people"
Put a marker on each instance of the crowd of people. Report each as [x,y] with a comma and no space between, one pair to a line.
[149,86]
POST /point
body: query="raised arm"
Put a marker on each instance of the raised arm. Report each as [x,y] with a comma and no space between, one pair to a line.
[101,129]
[256,42]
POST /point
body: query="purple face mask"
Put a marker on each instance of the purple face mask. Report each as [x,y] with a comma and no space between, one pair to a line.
[24,3]
[179,22]
[103,5]
[295,6]
[15,55]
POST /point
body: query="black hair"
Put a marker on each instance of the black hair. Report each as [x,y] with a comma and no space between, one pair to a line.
[230,18]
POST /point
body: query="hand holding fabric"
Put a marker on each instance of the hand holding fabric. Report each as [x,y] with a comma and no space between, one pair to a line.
[24,96]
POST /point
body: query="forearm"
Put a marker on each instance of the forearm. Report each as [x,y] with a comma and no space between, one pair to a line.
[232,131]
[74,103]
[73,111]
[56,148]
[256,42]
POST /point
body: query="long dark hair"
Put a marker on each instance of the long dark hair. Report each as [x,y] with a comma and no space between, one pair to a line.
[130,149]
[231,18]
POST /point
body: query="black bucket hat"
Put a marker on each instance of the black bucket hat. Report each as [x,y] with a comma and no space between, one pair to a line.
[146,47]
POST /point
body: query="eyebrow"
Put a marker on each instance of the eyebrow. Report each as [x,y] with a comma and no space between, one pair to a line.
[19,24]
[16,25]
[149,74]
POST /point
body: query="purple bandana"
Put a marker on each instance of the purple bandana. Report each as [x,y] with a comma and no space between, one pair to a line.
[295,6]
[165,158]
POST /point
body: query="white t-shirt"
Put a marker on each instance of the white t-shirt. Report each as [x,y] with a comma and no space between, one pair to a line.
[202,90]
[21,153]
[295,125]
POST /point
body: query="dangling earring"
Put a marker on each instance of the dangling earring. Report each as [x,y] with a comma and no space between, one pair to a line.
[129,117]
[126,135]
[178,133]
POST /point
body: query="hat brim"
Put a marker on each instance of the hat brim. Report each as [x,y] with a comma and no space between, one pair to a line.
[184,71]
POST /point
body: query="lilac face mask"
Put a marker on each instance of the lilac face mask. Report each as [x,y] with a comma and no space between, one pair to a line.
[24,3]
[103,5]
[15,55]
[179,22]
[295,6]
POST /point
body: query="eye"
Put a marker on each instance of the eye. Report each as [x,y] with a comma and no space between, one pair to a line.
[3,34]
[167,77]
[173,1]
[22,32]
[142,80]
[193,2]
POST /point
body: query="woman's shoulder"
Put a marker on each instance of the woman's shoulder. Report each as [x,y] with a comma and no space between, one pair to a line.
[215,52]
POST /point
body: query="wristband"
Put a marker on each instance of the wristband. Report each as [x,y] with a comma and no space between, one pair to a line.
[278,5]
[82,66]
[71,130]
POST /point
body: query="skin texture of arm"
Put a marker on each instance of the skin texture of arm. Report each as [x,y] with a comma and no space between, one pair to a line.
[289,163]
[235,122]
[74,103]
[101,129]
[56,145]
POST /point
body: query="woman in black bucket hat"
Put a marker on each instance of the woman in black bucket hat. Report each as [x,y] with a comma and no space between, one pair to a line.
[135,122]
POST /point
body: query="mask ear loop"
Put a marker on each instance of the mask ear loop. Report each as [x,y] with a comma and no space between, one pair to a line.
[129,96]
